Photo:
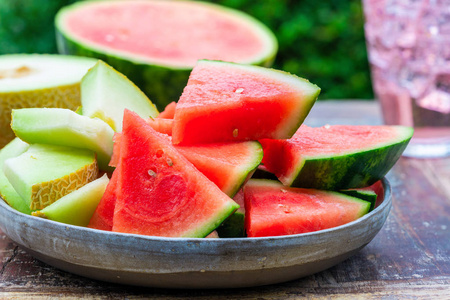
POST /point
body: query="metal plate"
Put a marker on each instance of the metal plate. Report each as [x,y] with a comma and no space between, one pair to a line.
[190,262]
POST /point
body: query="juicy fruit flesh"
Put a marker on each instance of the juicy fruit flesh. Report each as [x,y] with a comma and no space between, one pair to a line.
[340,138]
[218,34]
[159,192]
[77,207]
[226,102]
[272,209]
[45,173]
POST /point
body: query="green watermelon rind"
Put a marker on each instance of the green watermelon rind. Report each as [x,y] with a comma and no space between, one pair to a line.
[247,169]
[223,214]
[369,196]
[153,78]
[352,169]
[233,227]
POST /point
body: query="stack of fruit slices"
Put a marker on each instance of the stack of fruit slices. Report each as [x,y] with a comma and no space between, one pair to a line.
[187,171]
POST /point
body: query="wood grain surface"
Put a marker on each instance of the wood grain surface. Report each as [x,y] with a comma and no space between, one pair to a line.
[408,259]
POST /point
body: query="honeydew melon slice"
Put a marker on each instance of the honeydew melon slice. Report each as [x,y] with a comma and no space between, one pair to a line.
[58,126]
[159,56]
[225,102]
[106,93]
[7,192]
[77,207]
[45,173]
[38,80]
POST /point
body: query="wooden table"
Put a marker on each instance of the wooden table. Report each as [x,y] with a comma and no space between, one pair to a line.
[408,259]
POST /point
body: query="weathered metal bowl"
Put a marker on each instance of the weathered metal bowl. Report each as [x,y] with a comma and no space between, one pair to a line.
[190,262]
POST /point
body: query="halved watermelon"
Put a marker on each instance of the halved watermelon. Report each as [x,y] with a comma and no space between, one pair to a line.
[159,192]
[156,43]
[225,102]
[335,157]
[272,209]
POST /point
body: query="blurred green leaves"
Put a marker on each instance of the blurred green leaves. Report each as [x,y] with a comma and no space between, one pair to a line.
[319,40]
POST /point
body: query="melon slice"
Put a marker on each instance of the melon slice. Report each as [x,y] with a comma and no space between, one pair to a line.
[335,157]
[226,102]
[368,193]
[102,218]
[7,191]
[106,93]
[161,125]
[77,207]
[160,193]
[169,111]
[159,56]
[38,80]
[45,173]
[228,165]
[58,126]
[272,209]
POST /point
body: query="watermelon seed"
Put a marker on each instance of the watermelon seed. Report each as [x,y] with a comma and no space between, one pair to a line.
[283,191]
[327,126]
[235,132]
[169,162]
[152,173]
[239,91]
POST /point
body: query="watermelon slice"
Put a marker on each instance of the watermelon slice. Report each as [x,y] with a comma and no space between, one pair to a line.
[103,215]
[368,193]
[272,209]
[226,102]
[161,125]
[159,56]
[159,192]
[169,111]
[335,157]
[228,165]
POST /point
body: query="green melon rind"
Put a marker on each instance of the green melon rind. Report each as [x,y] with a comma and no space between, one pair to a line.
[247,169]
[355,169]
[14,148]
[77,207]
[233,226]
[227,210]
[44,163]
[151,78]
[106,93]
[369,196]
[59,126]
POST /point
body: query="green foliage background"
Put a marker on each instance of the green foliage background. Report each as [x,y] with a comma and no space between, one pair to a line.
[319,40]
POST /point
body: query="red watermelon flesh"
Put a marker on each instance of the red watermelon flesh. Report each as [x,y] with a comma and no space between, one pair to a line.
[160,193]
[225,102]
[156,31]
[228,165]
[161,125]
[102,218]
[169,111]
[272,209]
[329,156]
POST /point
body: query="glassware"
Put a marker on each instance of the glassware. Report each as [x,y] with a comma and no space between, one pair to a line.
[409,54]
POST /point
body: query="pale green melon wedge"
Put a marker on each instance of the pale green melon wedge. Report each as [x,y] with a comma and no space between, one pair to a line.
[45,173]
[58,126]
[7,192]
[77,207]
[106,93]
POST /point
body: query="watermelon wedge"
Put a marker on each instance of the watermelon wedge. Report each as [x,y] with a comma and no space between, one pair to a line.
[335,157]
[369,193]
[225,102]
[156,43]
[228,165]
[161,125]
[272,209]
[234,226]
[159,192]
[169,111]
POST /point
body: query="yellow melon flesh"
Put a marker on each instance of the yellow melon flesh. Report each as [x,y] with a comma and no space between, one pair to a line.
[32,80]
[45,173]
